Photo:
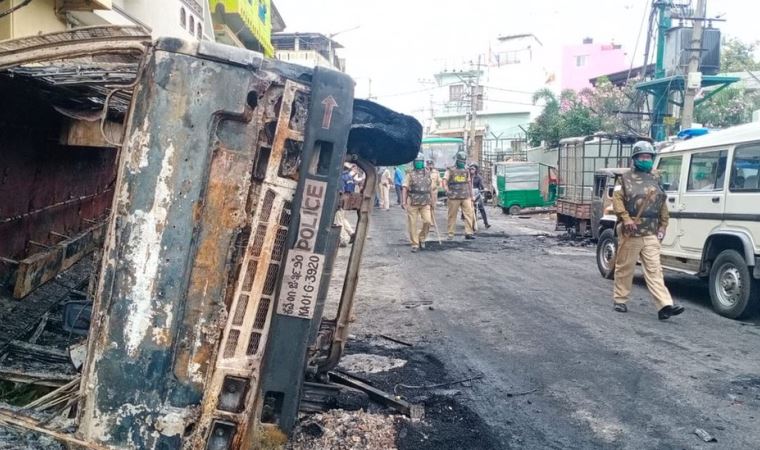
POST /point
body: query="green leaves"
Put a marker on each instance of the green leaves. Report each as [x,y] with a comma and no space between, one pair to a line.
[580,113]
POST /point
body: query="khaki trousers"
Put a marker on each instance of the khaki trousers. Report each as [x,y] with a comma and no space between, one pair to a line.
[629,251]
[412,212]
[467,211]
[346,229]
[385,196]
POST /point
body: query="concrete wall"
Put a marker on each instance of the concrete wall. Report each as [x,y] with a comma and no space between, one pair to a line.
[163,17]
[35,18]
[597,59]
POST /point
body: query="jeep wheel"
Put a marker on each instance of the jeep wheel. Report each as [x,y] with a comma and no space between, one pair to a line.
[514,210]
[606,248]
[733,292]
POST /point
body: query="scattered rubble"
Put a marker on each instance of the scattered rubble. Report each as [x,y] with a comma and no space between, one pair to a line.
[363,363]
[342,430]
[704,435]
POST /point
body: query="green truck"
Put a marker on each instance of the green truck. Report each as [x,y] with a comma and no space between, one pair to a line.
[520,185]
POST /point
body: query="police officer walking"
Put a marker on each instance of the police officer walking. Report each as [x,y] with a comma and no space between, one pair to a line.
[416,199]
[639,203]
[458,185]
[477,184]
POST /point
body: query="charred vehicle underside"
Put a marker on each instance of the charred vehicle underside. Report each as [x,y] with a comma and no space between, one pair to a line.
[167,235]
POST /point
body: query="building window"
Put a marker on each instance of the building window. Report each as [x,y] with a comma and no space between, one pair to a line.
[182,18]
[456,92]
[581,60]
[199,31]
[192,24]
[504,58]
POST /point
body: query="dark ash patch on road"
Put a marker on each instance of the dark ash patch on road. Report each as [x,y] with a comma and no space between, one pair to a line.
[448,424]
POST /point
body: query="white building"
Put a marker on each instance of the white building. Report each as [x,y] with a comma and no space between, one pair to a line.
[179,18]
[308,49]
[499,84]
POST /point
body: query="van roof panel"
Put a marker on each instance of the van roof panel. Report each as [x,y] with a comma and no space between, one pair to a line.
[734,135]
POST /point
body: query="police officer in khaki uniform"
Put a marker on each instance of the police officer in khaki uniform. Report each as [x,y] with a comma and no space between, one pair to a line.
[458,185]
[416,199]
[639,203]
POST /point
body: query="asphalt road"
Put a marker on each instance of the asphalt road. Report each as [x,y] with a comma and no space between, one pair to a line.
[561,369]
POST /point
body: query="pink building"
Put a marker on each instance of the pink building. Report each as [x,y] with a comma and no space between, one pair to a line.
[589,60]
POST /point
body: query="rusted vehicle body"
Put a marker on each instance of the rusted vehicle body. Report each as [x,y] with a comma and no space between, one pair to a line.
[219,246]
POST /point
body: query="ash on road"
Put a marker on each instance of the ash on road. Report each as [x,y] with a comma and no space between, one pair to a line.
[560,369]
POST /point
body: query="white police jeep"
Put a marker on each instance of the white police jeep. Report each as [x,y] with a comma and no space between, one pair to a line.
[713,187]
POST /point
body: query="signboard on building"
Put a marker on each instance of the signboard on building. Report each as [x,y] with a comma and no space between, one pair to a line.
[253,19]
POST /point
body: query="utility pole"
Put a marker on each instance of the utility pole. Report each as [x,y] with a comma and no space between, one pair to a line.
[660,102]
[693,75]
[474,94]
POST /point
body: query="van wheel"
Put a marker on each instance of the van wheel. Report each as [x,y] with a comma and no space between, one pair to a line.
[733,292]
[606,249]
[514,210]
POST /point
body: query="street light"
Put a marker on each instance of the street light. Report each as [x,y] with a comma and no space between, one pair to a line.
[330,41]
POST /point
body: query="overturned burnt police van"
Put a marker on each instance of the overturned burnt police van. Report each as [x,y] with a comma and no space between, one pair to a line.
[205,184]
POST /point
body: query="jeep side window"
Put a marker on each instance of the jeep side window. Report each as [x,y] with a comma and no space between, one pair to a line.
[707,171]
[745,170]
[601,182]
[670,172]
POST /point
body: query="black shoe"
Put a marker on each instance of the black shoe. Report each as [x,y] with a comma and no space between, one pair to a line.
[666,312]
[620,307]
[488,226]
[469,236]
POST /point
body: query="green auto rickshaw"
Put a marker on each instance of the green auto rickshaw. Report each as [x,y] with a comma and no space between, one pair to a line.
[520,185]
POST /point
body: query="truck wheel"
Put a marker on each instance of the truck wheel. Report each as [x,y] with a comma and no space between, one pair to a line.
[733,292]
[606,249]
[514,210]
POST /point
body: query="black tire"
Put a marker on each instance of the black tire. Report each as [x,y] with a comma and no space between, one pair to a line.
[606,249]
[514,210]
[733,291]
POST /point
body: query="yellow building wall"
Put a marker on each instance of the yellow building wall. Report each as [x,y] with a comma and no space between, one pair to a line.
[38,17]
[5,28]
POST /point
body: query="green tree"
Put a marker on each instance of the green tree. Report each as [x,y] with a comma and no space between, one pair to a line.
[607,100]
[546,126]
[562,117]
[738,56]
[729,107]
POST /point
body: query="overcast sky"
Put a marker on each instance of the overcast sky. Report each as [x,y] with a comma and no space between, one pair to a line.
[398,44]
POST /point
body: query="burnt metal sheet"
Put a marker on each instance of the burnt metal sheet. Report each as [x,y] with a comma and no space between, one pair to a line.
[193,251]
[179,202]
[330,115]
[78,68]
[78,42]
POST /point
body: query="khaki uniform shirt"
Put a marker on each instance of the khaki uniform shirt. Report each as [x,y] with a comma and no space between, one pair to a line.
[618,205]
